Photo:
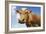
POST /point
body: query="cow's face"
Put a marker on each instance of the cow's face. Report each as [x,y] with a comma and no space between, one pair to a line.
[23,15]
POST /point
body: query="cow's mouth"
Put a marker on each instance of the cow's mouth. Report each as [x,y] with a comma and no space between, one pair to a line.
[21,22]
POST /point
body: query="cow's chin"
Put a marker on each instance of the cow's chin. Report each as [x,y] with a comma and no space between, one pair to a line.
[21,22]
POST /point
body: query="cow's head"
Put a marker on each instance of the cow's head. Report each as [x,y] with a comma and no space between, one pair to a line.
[23,15]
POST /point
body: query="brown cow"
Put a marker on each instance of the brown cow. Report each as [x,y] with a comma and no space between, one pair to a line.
[29,18]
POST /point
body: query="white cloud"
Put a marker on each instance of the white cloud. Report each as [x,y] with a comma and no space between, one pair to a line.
[13,11]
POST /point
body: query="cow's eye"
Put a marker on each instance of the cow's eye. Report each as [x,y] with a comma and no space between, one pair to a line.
[23,20]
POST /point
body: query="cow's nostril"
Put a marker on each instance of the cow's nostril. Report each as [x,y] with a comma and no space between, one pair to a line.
[21,22]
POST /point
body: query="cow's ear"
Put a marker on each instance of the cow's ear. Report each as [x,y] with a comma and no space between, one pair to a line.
[17,11]
[30,11]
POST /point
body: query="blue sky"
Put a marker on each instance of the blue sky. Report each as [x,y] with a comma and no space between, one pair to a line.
[14,24]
